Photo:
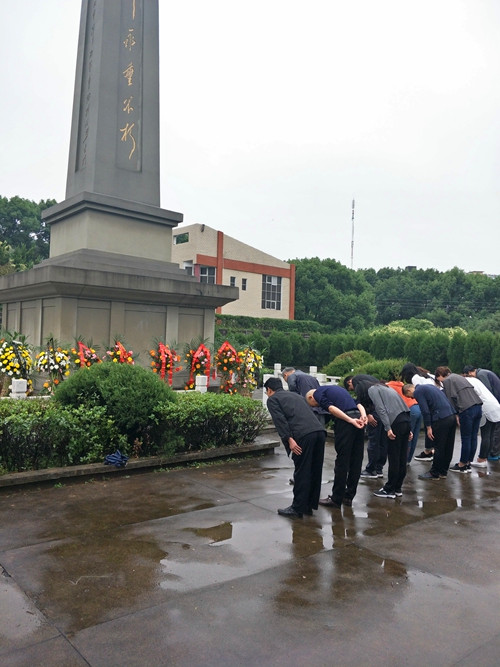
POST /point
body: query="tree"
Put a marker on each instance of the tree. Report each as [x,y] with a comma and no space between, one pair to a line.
[331,294]
[23,231]
[6,263]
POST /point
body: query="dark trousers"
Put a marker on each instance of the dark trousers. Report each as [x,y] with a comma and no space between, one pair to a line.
[308,470]
[490,434]
[349,445]
[397,454]
[444,441]
[469,427]
[377,446]
[495,445]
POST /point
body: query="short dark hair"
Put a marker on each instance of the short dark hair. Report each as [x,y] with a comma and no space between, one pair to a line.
[442,372]
[468,369]
[347,379]
[274,384]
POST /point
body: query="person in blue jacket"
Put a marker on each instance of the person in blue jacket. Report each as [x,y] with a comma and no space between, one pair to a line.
[349,422]
[440,421]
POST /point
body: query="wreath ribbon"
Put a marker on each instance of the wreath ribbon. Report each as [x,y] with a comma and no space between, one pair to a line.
[166,354]
[201,352]
[123,352]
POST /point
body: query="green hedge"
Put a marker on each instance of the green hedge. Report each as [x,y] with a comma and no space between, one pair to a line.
[204,421]
[266,324]
[37,433]
[42,433]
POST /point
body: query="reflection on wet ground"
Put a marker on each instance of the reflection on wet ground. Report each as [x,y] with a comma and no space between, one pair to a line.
[84,559]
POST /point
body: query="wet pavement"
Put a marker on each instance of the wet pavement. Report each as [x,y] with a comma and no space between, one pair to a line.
[194,567]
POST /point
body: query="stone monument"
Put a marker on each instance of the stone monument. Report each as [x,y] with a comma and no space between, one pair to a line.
[109,272]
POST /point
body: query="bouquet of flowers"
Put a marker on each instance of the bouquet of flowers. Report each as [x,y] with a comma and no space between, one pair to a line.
[15,359]
[119,355]
[15,363]
[55,361]
[163,361]
[84,356]
[228,365]
[198,362]
[251,363]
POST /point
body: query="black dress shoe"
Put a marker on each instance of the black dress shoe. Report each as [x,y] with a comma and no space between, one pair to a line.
[328,502]
[347,502]
[290,512]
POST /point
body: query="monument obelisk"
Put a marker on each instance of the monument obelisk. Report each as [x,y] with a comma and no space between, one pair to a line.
[109,271]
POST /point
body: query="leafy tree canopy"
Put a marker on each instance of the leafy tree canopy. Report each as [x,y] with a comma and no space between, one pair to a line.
[343,299]
[24,236]
[328,292]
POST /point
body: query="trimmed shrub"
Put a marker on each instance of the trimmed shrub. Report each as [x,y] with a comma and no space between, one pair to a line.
[26,433]
[39,433]
[129,394]
[345,362]
[204,421]
[385,370]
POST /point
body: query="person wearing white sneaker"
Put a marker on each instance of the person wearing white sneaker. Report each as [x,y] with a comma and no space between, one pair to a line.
[468,405]
[440,421]
[490,422]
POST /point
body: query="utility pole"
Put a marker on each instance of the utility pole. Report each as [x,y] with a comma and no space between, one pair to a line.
[352,237]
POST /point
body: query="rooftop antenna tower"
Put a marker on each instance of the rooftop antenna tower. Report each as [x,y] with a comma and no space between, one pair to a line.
[352,236]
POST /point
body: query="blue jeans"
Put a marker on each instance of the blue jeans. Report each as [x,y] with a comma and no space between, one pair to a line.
[469,426]
[377,446]
[415,424]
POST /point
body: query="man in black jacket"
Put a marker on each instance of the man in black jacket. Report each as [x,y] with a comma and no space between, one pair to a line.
[303,436]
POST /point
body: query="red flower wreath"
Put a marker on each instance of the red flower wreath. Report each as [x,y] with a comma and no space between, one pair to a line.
[164,360]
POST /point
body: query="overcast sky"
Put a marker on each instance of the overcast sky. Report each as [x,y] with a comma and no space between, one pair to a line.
[275,114]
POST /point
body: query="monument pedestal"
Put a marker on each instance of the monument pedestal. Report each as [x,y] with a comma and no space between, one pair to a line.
[110,224]
[98,295]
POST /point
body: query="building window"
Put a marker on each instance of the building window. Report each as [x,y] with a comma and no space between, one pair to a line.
[188,267]
[181,238]
[244,284]
[271,292]
[232,281]
[207,274]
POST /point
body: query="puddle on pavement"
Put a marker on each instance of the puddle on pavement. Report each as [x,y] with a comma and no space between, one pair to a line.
[242,547]
[218,533]
[84,581]
[349,573]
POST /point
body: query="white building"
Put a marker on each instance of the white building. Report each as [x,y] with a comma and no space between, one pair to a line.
[266,284]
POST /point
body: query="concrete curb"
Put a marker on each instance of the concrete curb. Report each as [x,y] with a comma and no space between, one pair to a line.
[261,445]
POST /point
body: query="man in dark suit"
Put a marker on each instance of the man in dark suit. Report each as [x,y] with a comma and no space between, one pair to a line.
[303,436]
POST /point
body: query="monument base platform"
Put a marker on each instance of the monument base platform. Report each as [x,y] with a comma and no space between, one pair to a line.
[100,296]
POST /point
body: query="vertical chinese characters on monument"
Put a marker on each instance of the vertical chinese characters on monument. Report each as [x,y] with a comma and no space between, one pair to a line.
[86,95]
[130,86]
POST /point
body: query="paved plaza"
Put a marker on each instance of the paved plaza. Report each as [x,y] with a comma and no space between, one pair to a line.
[193,566]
